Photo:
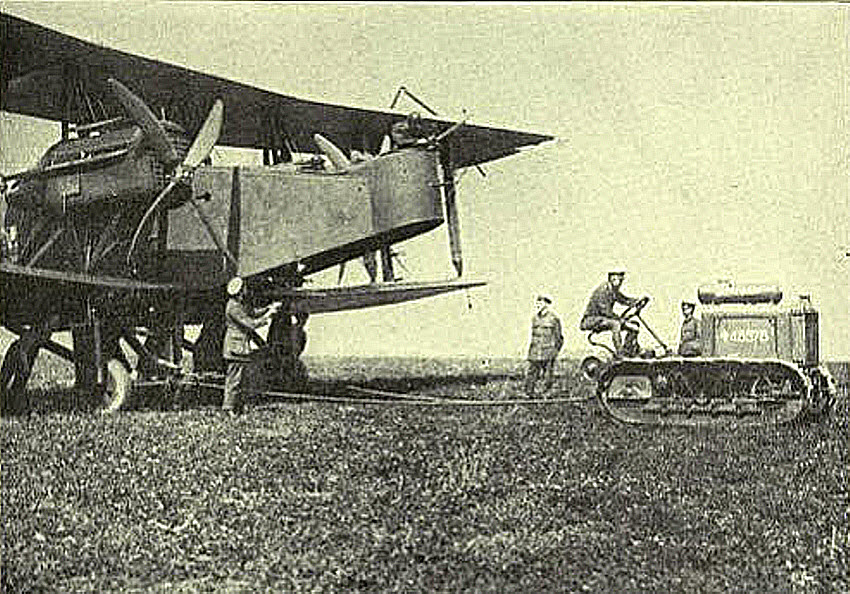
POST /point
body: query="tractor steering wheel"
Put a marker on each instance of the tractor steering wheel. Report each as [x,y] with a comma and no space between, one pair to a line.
[634,309]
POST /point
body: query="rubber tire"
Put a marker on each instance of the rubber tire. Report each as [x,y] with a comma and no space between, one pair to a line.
[117,389]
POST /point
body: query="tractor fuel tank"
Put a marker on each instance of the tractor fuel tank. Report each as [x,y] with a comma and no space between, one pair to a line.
[728,292]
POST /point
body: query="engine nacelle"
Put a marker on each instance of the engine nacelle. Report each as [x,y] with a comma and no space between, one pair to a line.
[100,167]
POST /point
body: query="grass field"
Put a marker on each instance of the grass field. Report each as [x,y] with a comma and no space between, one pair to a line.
[327,497]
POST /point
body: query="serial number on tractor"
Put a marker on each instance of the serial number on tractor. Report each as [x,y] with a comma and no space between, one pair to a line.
[745,335]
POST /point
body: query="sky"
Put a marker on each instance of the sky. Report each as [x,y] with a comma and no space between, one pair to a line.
[694,142]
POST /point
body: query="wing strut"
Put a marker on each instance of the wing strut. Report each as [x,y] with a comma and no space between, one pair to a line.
[452,220]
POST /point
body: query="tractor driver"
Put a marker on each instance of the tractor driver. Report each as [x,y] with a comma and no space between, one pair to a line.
[599,315]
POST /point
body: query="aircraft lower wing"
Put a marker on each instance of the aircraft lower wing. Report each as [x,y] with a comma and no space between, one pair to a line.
[362,296]
[28,295]
[14,273]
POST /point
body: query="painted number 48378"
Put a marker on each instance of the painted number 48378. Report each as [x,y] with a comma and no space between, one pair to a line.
[745,335]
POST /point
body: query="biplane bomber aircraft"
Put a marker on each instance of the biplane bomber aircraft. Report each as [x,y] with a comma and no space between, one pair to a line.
[124,232]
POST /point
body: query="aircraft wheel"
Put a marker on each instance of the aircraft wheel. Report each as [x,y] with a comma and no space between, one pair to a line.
[14,374]
[117,389]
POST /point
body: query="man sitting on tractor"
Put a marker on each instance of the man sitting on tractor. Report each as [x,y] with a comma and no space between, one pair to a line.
[599,315]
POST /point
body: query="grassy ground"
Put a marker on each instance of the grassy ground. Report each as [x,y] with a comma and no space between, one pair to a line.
[309,497]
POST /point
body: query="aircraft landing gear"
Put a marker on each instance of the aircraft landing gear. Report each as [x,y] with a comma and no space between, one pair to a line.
[17,367]
[111,377]
[207,353]
[280,365]
[116,391]
[120,364]
[15,372]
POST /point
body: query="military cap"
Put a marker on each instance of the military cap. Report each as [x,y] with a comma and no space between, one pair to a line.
[234,286]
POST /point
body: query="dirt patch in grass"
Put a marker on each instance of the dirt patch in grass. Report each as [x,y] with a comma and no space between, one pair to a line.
[305,497]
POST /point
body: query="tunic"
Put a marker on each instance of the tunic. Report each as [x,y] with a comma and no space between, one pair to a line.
[601,304]
[689,340]
[546,337]
[238,336]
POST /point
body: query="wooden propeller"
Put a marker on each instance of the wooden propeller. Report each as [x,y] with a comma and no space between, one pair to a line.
[199,151]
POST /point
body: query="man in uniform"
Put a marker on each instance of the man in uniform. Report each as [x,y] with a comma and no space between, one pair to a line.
[546,341]
[241,322]
[690,344]
[599,315]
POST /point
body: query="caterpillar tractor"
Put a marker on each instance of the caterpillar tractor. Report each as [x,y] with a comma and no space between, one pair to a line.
[758,364]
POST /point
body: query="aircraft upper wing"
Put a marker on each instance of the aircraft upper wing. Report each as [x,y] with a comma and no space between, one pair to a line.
[37,62]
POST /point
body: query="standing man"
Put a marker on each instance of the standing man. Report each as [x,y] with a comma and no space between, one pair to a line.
[690,343]
[599,315]
[546,340]
[241,322]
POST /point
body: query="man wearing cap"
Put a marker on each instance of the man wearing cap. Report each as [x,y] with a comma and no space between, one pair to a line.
[546,340]
[599,315]
[241,323]
[690,344]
